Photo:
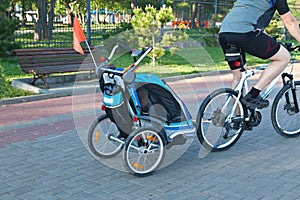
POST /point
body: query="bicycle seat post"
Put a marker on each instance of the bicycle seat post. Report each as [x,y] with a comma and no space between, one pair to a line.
[242,61]
[242,65]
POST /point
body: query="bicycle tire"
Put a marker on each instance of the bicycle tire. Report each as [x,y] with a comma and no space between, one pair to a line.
[283,116]
[211,134]
[144,151]
[98,139]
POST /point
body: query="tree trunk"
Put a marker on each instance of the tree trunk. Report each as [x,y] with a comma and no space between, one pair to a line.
[41,28]
[69,16]
[133,5]
[51,19]
[23,16]
[194,15]
[69,12]
[153,56]
[97,15]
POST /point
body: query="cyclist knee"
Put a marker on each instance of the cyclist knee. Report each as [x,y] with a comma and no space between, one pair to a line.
[284,61]
[285,57]
[282,56]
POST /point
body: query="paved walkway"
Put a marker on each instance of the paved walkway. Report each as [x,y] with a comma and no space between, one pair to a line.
[43,155]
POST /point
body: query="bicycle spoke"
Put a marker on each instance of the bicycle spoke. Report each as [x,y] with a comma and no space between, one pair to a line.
[144,151]
[98,139]
[217,130]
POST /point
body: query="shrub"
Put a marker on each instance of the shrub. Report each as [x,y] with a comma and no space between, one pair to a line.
[7,27]
[211,37]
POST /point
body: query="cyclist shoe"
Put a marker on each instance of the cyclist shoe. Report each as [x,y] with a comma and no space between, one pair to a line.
[258,102]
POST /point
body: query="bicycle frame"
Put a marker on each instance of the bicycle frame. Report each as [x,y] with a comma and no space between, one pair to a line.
[243,86]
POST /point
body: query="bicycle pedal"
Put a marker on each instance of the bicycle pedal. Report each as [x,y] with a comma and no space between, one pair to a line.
[248,127]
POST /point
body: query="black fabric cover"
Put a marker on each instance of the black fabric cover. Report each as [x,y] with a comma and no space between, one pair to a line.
[152,94]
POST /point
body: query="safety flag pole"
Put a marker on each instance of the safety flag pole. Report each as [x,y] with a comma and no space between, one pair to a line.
[91,53]
[78,37]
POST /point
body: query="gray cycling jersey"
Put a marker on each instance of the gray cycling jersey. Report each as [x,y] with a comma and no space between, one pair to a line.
[248,15]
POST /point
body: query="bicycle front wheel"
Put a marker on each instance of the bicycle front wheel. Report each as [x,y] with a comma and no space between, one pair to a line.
[285,118]
[100,137]
[220,120]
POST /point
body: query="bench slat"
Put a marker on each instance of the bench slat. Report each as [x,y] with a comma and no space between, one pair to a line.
[57,61]
[54,69]
[49,56]
[47,51]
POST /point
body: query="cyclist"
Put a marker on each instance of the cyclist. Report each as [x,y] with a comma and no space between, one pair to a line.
[243,28]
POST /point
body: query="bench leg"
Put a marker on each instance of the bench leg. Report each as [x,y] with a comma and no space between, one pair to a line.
[42,77]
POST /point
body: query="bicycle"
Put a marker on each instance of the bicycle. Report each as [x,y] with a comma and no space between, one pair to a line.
[143,117]
[222,117]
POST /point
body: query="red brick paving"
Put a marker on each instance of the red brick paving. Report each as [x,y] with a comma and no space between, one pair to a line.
[38,109]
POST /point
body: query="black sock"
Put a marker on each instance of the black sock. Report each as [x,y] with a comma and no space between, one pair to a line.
[254,92]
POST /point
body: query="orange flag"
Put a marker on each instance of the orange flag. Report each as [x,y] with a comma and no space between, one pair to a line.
[78,36]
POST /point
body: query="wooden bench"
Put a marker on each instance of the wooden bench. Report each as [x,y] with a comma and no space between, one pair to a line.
[43,62]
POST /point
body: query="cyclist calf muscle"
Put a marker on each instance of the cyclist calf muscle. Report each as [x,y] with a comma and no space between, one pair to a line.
[236,77]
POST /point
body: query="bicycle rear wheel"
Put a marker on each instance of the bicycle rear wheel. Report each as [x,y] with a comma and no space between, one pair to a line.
[220,125]
[284,117]
[100,138]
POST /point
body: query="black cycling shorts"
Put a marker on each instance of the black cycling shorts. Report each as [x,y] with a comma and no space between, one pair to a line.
[255,43]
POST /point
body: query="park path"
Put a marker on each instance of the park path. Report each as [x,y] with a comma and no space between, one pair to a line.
[43,157]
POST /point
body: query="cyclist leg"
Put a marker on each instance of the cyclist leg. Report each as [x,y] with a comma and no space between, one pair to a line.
[278,63]
[226,40]
[236,76]
[264,47]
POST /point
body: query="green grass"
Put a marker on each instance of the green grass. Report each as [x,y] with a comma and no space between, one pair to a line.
[168,65]
[185,61]
[9,69]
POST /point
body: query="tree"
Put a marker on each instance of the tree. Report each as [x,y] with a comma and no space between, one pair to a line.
[112,5]
[8,25]
[274,29]
[146,26]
